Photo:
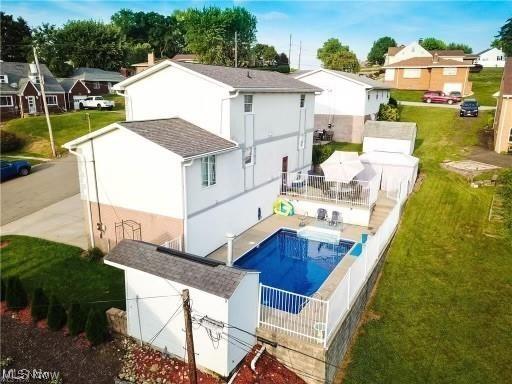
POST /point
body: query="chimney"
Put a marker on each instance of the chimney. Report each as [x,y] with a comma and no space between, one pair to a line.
[436,58]
[151,59]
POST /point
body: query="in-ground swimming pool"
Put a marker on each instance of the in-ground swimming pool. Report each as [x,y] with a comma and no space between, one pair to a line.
[293,263]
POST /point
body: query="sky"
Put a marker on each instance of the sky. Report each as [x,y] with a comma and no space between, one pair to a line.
[356,23]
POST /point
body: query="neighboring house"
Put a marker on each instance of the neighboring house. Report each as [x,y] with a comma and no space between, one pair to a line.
[20,92]
[491,58]
[75,90]
[389,136]
[413,67]
[503,117]
[98,81]
[202,144]
[346,102]
[139,67]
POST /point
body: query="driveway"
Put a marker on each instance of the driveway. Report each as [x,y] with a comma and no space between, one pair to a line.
[439,105]
[47,184]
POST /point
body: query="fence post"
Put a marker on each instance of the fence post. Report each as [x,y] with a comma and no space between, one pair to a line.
[326,333]
[138,317]
[259,303]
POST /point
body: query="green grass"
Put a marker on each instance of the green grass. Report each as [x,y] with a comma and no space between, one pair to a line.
[442,311]
[341,146]
[59,270]
[485,84]
[406,95]
[14,158]
[66,127]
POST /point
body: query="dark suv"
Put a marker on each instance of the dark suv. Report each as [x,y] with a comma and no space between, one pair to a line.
[469,107]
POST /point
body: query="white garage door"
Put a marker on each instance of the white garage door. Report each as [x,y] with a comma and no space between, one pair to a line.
[76,101]
[451,87]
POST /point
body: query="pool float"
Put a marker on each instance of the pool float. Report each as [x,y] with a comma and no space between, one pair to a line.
[283,207]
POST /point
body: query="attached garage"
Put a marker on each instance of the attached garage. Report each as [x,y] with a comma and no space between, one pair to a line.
[452,87]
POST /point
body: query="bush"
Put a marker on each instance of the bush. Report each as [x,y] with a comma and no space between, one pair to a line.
[388,113]
[10,141]
[96,326]
[392,101]
[15,294]
[321,153]
[39,305]
[2,289]
[283,68]
[93,254]
[56,314]
[76,319]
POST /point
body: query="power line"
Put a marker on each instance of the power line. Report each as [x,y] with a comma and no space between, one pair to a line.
[176,312]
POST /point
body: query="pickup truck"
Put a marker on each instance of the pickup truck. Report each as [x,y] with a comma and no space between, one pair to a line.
[439,97]
[10,169]
[96,102]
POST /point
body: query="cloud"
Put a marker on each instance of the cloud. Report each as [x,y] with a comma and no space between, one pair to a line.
[272,16]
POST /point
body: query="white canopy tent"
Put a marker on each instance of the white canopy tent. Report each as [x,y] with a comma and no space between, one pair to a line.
[394,167]
[342,166]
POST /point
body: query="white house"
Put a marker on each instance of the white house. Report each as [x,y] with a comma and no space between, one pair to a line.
[201,145]
[347,101]
[491,58]
[389,136]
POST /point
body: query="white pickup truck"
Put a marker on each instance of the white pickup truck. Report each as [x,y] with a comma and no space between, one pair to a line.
[96,102]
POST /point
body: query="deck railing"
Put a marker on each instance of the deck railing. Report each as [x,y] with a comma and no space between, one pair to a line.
[174,244]
[314,187]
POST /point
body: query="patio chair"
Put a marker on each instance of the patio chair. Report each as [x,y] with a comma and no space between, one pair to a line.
[328,135]
[335,218]
[321,214]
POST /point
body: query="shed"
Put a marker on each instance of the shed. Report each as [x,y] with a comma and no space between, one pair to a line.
[224,300]
[394,168]
[389,136]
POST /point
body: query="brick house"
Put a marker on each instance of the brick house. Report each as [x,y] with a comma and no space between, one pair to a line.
[413,67]
[20,93]
[503,117]
[74,90]
[98,81]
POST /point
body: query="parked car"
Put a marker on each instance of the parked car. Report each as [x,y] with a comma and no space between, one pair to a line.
[10,169]
[96,102]
[476,68]
[469,107]
[438,97]
[456,95]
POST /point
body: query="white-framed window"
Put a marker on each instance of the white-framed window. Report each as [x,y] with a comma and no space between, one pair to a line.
[6,101]
[499,58]
[449,71]
[302,101]
[389,75]
[412,73]
[248,103]
[4,79]
[97,85]
[51,99]
[208,176]
[510,136]
[249,156]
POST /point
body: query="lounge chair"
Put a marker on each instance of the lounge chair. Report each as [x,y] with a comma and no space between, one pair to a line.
[335,218]
[321,214]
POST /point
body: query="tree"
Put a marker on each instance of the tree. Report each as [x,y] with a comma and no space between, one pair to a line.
[265,55]
[15,294]
[330,47]
[39,305]
[388,112]
[459,46]
[505,37]
[335,55]
[50,50]
[379,49]
[496,43]
[76,320]
[56,314]
[432,44]
[14,38]
[282,59]
[2,286]
[96,326]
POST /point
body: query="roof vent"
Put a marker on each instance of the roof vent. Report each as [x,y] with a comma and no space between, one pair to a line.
[14,85]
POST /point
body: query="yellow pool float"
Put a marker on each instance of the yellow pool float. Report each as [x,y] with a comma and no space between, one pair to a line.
[283,207]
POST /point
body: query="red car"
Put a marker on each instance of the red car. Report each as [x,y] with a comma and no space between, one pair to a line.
[440,97]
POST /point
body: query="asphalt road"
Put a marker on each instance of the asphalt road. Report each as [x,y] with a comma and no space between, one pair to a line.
[48,184]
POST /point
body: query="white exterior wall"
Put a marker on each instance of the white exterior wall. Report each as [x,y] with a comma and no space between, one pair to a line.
[412,50]
[155,312]
[489,59]
[377,97]
[128,180]
[378,144]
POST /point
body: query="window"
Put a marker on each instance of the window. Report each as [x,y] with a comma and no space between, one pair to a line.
[499,58]
[302,100]
[377,95]
[3,79]
[249,156]
[208,171]
[248,103]
[412,73]
[510,136]
[6,101]
[97,85]
[449,71]
[368,95]
[51,100]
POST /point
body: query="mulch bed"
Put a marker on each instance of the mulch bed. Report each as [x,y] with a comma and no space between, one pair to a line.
[33,346]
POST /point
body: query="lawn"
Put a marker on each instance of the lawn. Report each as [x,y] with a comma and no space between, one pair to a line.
[442,310]
[485,84]
[66,127]
[406,95]
[59,270]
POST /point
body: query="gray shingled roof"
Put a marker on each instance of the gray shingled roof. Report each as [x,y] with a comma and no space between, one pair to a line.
[179,136]
[251,79]
[214,277]
[18,73]
[66,84]
[389,130]
[96,74]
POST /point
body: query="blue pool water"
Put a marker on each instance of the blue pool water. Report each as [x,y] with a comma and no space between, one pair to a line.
[292,263]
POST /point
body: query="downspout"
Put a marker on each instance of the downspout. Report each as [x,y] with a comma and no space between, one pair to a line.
[185,202]
[96,188]
[255,360]
[89,211]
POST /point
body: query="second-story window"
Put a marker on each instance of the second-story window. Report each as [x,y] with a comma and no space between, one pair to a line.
[97,85]
[3,79]
[248,103]
[208,176]
[302,100]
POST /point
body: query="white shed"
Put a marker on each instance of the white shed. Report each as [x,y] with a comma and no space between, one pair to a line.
[394,168]
[154,279]
[389,136]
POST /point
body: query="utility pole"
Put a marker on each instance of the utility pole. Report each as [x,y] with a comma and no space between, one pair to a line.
[290,52]
[300,51]
[45,104]
[191,357]
[236,49]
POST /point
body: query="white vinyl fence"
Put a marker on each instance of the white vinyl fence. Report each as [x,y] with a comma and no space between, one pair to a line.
[175,244]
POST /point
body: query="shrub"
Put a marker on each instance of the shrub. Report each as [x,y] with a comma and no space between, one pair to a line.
[283,68]
[76,320]
[96,326]
[56,314]
[388,113]
[2,289]
[15,294]
[321,153]
[93,254]
[39,305]
[10,141]
[392,101]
